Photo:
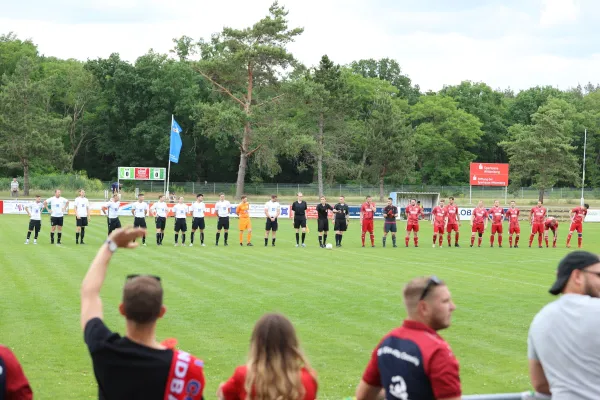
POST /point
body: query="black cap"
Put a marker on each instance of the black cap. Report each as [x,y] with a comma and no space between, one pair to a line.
[572,261]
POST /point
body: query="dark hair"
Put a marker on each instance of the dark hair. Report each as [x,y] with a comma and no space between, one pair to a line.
[37,195]
[368,197]
[586,205]
[199,194]
[160,195]
[273,196]
[451,198]
[244,197]
[142,299]
[140,194]
[389,198]
[221,194]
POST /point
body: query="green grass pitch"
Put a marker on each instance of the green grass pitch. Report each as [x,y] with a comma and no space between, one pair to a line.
[341,301]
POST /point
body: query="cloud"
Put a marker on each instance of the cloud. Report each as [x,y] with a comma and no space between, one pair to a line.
[504,43]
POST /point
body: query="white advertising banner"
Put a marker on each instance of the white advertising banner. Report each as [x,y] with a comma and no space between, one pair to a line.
[15,206]
[592,215]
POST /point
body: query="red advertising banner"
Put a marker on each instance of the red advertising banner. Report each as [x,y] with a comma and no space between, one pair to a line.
[142,173]
[482,174]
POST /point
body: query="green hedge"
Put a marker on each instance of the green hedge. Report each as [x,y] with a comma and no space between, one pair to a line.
[58,181]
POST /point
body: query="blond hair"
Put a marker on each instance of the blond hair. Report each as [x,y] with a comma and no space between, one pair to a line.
[275,361]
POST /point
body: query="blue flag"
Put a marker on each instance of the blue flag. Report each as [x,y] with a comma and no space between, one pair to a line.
[175,142]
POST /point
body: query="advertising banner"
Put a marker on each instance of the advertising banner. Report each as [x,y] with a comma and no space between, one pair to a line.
[142,173]
[592,216]
[484,174]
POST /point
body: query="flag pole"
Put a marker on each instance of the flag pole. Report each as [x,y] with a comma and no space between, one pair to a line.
[169,167]
[583,169]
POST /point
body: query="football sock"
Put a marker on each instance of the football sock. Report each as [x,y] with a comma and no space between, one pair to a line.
[539,239]
[500,240]
[416,240]
[579,240]
[143,238]
[569,239]
[162,237]
[201,237]
[183,238]
[297,238]
[76,237]
[554,240]
[456,238]
[546,240]
[28,234]
[176,237]
[218,236]
[51,237]
[510,240]
[472,240]
[531,239]
[273,241]
[479,240]
[192,238]
[441,240]
[362,238]
[341,237]
[241,236]
[303,236]
[320,240]
[59,236]
[324,238]
[83,234]
[394,240]
[36,234]
[517,240]
[434,239]
[449,238]
[249,237]
[492,240]
[383,240]
[372,240]
[225,237]
[266,241]
[406,239]
[158,238]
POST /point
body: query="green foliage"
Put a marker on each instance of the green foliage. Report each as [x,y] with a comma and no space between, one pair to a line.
[72,181]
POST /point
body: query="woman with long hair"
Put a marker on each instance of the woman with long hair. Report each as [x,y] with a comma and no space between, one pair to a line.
[276,368]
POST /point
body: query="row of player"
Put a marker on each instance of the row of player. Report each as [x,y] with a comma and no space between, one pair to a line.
[444,218]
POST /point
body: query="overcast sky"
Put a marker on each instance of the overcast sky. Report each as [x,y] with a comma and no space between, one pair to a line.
[504,43]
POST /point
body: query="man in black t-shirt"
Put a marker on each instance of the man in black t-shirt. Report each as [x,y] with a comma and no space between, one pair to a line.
[323,220]
[299,208]
[341,212]
[390,213]
[136,366]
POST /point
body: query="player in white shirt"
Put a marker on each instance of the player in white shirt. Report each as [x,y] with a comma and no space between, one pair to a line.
[58,207]
[112,211]
[181,211]
[272,211]
[159,211]
[34,210]
[197,208]
[223,207]
[82,212]
[139,209]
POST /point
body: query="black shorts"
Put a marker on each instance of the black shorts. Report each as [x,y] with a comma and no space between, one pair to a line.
[390,227]
[299,222]
[271,225]
[81,221]
[35,224]
[180,224]
[198,223]
[56,221]
[160,222]
[139,222]
[113,223]
[340,225]
[223,223]
[323,225]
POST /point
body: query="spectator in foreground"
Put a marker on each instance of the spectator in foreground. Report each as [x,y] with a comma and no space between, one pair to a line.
[135,366]
[564,337]
[13,383]
[413,361]
[276,367]
[14,188]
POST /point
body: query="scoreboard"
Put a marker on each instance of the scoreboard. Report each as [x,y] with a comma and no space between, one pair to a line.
[142,173]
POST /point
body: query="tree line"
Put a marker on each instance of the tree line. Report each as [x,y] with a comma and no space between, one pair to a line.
[251,112]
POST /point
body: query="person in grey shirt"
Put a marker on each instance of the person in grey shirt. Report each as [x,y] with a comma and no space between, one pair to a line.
[564,337]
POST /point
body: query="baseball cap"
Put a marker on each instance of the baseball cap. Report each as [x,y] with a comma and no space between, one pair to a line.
[571,262]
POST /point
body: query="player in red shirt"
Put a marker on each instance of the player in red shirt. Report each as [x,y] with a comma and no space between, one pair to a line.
[413,214]
[551,224]
[367,212]
[497,216]
[13,382]
[453,222]
[438,220]
[577,216]
[275,357]
[512,215]
[537,216]
[479,221]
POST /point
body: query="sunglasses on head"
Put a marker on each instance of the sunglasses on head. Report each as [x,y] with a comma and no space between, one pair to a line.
[129,277]
[433,281]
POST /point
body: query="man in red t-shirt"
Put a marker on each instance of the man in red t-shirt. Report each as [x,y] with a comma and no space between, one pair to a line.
[438,220]
[413,361]
[551,224]
[479,221]
[497,216]
[12,379]
[537,216]
[367,212]
[453,222]
[512,215]
[577,216]
[413,214]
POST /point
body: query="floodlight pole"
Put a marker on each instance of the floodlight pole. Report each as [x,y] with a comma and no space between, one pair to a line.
[583,170]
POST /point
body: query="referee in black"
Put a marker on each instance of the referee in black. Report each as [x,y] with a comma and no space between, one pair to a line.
[323,221]
[299,208]
[341,212]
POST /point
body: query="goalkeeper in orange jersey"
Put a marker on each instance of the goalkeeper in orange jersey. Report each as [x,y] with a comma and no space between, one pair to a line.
[245,225]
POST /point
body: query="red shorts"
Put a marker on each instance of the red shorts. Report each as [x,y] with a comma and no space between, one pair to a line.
[452,227]
[479,228]
[412,227]
[552,229]
[576,226]
[537,228]
[514,229]
[438,229]
[496,228]
[367,225]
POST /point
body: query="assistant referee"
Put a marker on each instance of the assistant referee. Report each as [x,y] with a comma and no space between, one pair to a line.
[299,208]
